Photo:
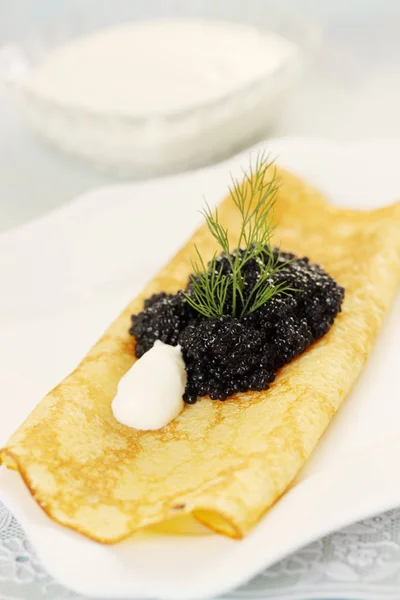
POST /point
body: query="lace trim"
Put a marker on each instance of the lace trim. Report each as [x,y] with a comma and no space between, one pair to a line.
[360,561]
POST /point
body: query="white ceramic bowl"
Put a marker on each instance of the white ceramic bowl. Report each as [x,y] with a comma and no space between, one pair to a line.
[168,142]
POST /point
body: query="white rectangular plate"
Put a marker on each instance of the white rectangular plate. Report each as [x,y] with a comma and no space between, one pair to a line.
[65,276]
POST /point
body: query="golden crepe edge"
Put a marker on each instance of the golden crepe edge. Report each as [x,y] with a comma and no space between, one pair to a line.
[226,463]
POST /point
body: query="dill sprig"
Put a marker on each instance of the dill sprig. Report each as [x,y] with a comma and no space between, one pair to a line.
[210,286]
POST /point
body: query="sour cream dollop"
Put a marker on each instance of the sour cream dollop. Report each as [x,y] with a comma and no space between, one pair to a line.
[149,395]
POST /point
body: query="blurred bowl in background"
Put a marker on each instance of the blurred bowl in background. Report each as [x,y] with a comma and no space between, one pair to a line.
[144,145]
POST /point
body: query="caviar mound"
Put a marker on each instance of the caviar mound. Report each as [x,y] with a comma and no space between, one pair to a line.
[163,318]
[225,355]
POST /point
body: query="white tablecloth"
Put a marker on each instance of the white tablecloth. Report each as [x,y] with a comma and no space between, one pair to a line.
[360,562]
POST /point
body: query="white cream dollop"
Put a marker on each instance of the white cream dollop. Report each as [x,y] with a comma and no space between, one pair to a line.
[159,65]
[149,395]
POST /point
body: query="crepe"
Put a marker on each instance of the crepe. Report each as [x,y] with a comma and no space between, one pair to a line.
[227,462]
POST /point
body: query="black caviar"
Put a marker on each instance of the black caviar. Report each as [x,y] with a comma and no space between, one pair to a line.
[225,355]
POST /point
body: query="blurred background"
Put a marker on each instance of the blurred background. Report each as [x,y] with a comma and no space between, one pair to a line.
[348,88]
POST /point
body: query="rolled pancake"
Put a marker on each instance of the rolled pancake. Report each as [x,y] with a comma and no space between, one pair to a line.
[226,462]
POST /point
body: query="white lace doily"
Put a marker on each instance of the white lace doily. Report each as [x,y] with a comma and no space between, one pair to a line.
[361,561]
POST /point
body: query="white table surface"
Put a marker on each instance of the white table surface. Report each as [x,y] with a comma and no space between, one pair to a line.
[351,91]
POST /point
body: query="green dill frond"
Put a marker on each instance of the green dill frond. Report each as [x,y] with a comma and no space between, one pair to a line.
[210,287]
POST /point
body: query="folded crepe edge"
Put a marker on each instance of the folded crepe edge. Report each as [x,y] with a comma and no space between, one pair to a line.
[217,521]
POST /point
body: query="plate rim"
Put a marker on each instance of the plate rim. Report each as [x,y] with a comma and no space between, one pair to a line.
[78,205]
